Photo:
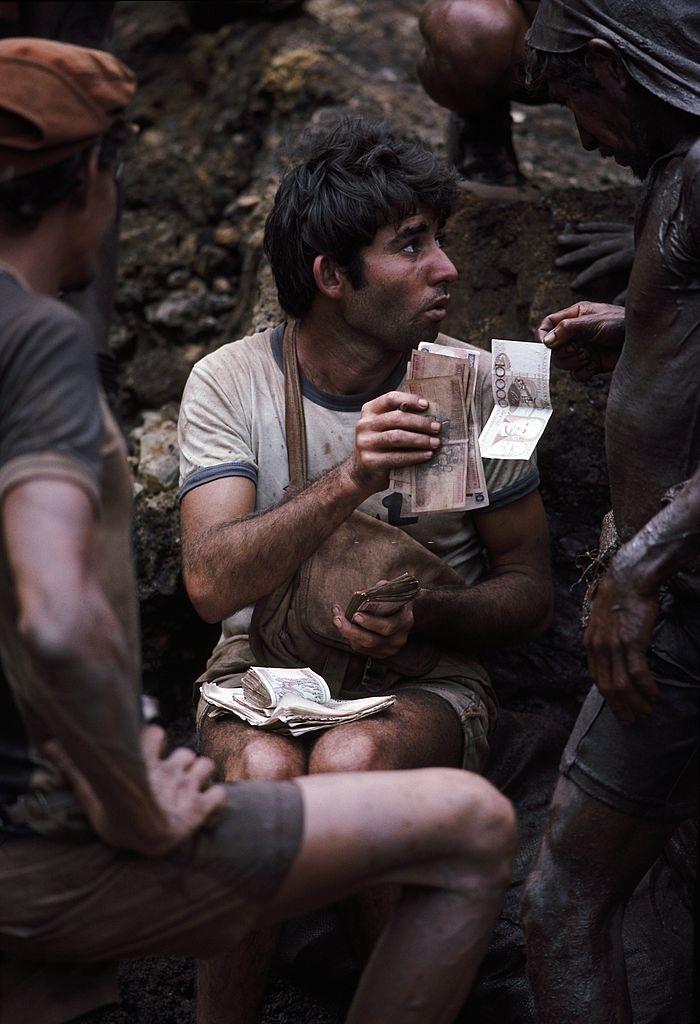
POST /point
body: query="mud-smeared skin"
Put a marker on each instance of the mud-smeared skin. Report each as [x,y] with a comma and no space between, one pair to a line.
[653,413]
[590,862]
[593,856]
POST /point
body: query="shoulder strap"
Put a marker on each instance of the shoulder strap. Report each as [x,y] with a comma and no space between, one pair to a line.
[294,425]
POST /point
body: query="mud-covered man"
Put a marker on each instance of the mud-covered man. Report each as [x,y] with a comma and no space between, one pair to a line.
[109,849]
[355,243]
[630,75]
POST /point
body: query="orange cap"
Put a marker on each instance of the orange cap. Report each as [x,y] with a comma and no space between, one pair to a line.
[55,99]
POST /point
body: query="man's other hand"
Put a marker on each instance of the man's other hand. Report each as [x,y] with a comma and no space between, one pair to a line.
[599,249]
[390,434]
[585,338]
[179,787]
[617,639]
[375,636]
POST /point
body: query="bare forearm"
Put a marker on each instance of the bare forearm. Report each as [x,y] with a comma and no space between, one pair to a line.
[85,693]
[234,563]
[667,544]
[502,609]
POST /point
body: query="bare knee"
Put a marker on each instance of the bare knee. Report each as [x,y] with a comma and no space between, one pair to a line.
[268,763]
[470,51]
[561,896]
[347,751]
[493,829]
[479,819]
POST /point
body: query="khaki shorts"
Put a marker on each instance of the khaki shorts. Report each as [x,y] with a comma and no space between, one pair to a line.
[68,911]
[462,682]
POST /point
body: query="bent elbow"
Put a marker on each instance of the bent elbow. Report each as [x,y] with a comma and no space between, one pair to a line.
[203,599]
[54,636]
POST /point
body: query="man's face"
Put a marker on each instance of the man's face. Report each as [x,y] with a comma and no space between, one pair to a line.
[90,224]
[610,121]
[405,293]
[522,428]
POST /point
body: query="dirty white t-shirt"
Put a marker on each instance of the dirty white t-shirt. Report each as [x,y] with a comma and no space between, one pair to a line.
[232,424]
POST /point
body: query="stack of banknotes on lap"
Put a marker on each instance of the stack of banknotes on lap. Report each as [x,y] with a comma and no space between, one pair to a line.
[292,701]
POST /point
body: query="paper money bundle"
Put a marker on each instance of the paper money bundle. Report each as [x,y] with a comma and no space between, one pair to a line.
[522,406]
[264,687]
[292,701]
[453,480]
[385,598]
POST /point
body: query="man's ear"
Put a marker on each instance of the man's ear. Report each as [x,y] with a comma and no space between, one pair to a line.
[87,172]
[606,64]
[330,279]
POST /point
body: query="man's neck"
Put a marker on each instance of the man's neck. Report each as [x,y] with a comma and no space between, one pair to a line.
[339,360]
[674,130]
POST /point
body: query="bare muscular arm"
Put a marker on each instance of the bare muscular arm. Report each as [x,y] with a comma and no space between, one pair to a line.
[627,602]
[84,688]
[233,557]
[513,602]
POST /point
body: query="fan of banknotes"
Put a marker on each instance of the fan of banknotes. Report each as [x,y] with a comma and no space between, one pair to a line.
[453,480]
[521,403]
[385,598]
[292,701]
[447,378]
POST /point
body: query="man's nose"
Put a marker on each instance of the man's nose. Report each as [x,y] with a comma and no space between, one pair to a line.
[442,269]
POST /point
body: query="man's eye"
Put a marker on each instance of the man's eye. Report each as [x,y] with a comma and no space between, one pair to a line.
[411,248]
[440,241]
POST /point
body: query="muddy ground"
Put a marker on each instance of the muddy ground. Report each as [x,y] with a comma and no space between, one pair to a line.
[219,114]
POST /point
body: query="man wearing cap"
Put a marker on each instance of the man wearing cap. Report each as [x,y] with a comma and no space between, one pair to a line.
[107,848]
[629,72]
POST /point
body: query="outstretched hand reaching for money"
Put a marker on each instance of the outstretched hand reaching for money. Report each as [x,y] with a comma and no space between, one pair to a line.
[585,338]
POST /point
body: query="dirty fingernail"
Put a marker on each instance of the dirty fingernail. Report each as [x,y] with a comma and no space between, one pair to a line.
[549,338]
[338,621]
[435,426]
[434,442]
[423,403]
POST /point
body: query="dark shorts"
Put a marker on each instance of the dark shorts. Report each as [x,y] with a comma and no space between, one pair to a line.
[69,910]
[649,769]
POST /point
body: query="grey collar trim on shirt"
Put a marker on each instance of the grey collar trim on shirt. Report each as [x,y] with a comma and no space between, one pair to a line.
[339,403]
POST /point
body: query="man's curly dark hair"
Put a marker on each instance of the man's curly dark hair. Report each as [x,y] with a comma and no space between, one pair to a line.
[351,182]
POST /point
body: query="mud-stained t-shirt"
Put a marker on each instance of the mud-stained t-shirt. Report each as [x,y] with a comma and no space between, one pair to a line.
[232,424]
[53,424]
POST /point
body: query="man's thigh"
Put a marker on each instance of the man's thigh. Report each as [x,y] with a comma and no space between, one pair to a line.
[85,902]
[421,730]
[592,856]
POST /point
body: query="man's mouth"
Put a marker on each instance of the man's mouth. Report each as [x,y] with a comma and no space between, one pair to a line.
[619,158]
[437,308]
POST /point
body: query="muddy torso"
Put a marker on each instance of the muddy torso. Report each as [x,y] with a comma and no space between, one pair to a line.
[653,412]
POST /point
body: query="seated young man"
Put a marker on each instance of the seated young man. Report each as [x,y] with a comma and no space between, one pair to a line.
[107,848]
[354,240]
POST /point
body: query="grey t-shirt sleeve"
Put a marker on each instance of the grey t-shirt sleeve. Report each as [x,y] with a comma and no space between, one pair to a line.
[50,419]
